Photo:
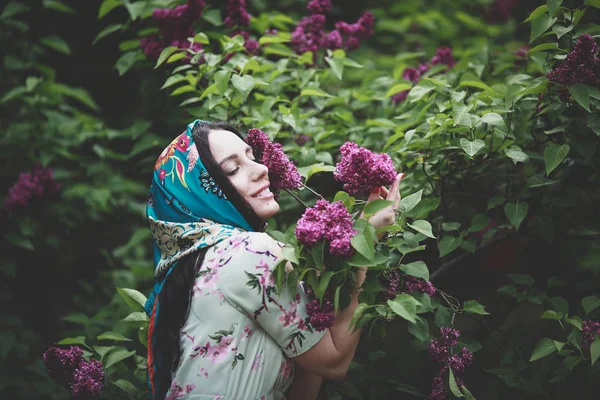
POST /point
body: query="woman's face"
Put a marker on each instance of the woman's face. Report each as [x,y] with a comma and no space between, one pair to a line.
[250,178]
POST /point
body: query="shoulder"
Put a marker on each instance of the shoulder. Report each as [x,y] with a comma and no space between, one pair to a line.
[245,242]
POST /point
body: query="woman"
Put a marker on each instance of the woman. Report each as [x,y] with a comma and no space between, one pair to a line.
[219,329]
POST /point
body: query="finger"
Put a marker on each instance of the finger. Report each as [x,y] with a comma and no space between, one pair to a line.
[384,192]
[394,192]
[374,195]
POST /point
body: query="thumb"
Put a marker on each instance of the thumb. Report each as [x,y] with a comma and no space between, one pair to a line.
[374,195]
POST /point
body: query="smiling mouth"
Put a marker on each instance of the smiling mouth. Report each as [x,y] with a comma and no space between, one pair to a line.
[266,193]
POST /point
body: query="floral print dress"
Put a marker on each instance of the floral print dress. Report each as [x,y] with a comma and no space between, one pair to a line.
[241,332]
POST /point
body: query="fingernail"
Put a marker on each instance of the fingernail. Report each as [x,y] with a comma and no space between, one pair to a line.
[375,191]
[401,175]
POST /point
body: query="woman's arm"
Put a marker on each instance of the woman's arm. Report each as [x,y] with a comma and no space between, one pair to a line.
[306,385]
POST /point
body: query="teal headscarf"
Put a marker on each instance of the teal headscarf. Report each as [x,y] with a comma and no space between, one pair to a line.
[186,212]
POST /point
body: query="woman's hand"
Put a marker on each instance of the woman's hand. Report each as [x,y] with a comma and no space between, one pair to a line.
[386,216]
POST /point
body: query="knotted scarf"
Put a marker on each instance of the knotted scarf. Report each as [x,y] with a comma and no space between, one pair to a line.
[186,212]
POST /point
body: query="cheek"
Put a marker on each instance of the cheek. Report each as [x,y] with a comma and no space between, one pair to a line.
[240,184]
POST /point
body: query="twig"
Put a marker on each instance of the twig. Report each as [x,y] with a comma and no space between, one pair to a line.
[297,198]
[315,193]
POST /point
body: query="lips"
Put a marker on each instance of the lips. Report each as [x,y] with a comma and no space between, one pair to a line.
[262,189]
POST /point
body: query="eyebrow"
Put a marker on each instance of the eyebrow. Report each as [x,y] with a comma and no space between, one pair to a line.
[231,157]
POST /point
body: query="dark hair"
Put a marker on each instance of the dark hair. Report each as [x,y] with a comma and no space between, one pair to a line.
[176,294]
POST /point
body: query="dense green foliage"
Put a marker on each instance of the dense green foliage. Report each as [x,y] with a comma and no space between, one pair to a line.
[499,195]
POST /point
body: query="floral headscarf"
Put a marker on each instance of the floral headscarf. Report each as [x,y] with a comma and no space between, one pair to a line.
[186,212]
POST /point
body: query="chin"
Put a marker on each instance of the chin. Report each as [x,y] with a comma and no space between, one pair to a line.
[268,210]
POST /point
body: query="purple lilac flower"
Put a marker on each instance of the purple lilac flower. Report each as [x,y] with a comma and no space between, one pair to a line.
[61,362]
[440,350]
[393,286]
[300,140]
[459,362]
[308,34]
[321,315]
[354,33]
[400,96]
[411,74]
[449,336]
[500,11]
[237,14]
[152,46]
[438,389]
[590,331]
[361,170]
[319,6]
[327,221]
[411,284]
[582,64]
[30,186]
[283,174]
[88,379]
[443,55]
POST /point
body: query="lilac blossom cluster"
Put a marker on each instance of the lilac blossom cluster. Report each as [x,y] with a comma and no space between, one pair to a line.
[441,350]
[237,15]
[310,34]
[443,55]
[175,25]
[327,221]
[393,286]
[590,331]
[361,170]
[30,186]
[411,284]
[283,174]
[582,64]
[67,367]
[321,314]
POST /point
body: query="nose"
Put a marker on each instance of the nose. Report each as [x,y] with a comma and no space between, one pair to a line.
[259,171]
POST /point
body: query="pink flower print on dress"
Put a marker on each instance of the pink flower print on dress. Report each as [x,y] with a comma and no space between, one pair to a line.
[285,369]
[256,363]
[291,316]
[203,372]
[247,332]
[218,397]
[176,391]
[267,278]
[201,350]
[220,352]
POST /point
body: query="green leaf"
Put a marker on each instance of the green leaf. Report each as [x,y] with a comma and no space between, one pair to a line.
[136,316]
[107,6]
[113,336]
[420,329]
[495,201]
[213,16]
[135,10]
[375,206]
[551,314]
[56,43]
[405,306]
[107,31]
[554,154]
[133,298]
[452,384]
[58,6]
[541,25]
[244,84]
[521,279]
[590,303]
[474,307]
[13,8]
[581,94]
[418,269]
[358,312]
[472,147]
[448,244]
[77,318]
[593,3]
[201,38]
[126,386]
[409,202]
[538,12]
[543,348]
[516,213]
[222,78]
[337,66]
[595,351]
[553,6]
[73,340]
[398,88]
[314,92]
[468,395]
[116,356]
[173,79]
[494,119]
[516,154]
[543,47]
[560,31]
[165,54]
[364,246]
[126,61]
[478,222]
[423,227]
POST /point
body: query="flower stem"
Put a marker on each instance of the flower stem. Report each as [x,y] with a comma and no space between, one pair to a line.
[315,193]
[297,198]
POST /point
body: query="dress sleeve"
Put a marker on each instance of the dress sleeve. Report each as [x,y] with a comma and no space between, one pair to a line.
[247,282]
